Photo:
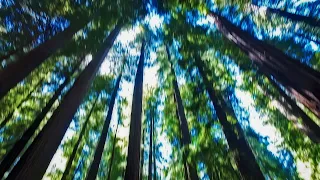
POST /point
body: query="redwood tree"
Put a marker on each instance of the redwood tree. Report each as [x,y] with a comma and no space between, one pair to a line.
[22,142]
[34,162]
[245,159]
[93,170]
[300,80]
[133,158]
[76,146]
[191,170]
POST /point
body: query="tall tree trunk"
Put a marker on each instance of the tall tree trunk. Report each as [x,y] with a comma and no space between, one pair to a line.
[151,118]
[186,139]
[154,153]
[36,159]
[22,142]
[112,152]
[313,22]
[133,158]
[142,153]
[18,70]
[292,74]
[93,170]
[10,115]
[245,159]
[76,146]
[308,126]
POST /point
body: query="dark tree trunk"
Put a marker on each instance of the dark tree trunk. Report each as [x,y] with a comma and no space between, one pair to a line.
[22,142]
[93,170]
[295,17]
[76,146]
[18,70]
[36,159]
[154,153]
[308,126]
[292,74]
[112,152]
[133,158]
[186,139]
[151,118]
[142,153]
[10,115]
[245,159]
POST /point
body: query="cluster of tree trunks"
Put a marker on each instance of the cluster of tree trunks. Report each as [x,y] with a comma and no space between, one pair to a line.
[22,142]
[300,80]
[190,168]
[93,170]
[245,158]
[34,162]
[308,126]
[67,170]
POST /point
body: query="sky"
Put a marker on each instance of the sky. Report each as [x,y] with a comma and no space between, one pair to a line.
[150,80]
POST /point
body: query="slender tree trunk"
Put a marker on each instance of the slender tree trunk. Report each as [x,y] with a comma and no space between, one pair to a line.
[18,70]
[10,115]
[308,126]
[112,152]
[36,159]
[245,159]
[142,154]
[76,146]
[186,139]
[93,170]
[308,37]
[295,17]
[133,158]
[22,142]
[150,144]
[292,74]
[154,153]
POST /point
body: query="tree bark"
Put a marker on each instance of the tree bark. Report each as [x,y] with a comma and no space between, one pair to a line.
[93,170]
[151,118]
[142,153]
[22,142]
[133,158]
[10,115]
[308,126]
[36,159]
[292,74]
[76,146]
[18,70]
[112,152]
[186,139]
[313,22]
[245,159]
[154,153]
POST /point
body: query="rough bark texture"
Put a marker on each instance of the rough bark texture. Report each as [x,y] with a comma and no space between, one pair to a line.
[133,158]
[191,169]
[22,142]
[93,170]
[76,146]
[112,152]
[245,159]
[308,126]
[292,74]
[36,159]
[17,71]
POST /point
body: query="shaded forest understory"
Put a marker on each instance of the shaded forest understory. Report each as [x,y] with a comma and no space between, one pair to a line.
[159,89]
